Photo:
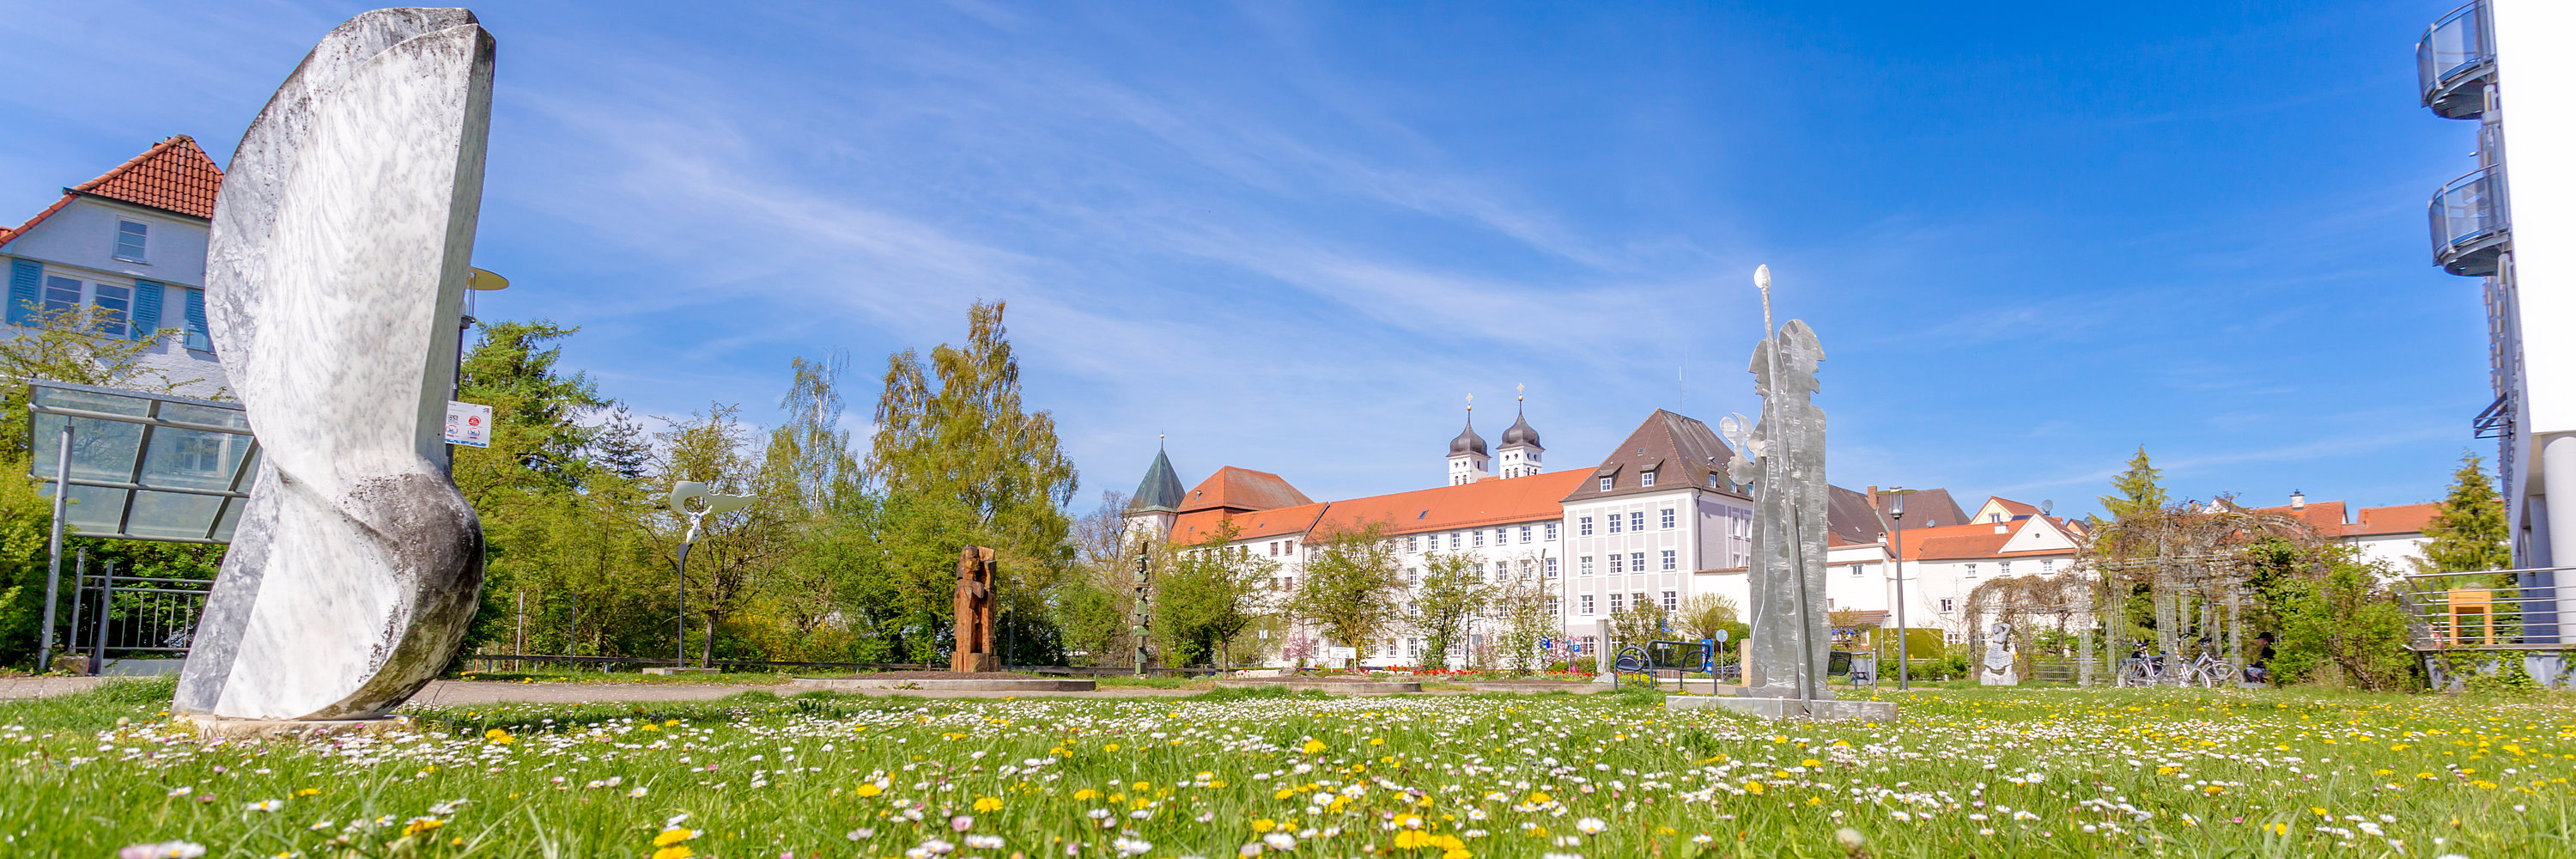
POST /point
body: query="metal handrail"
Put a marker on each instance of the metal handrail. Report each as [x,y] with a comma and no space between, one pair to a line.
[2447,612]
[2460,46]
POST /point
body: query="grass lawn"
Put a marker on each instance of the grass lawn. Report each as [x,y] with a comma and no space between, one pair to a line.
[1967,773]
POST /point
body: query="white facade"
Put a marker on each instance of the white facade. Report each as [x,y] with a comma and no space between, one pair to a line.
[1662,547]
[138,266]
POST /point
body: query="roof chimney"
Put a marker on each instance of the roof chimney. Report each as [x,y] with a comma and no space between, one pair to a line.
[2298,500]
[1873,497]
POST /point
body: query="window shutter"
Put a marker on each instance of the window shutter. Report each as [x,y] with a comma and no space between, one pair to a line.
[198,337]
[147,310]
[23,276]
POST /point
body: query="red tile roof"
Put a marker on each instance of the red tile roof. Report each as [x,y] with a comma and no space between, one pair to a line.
[1474,505]
[1242,490]
[2399,519]
[2325,516]
[2010,506]
[1973,540]
[174,176]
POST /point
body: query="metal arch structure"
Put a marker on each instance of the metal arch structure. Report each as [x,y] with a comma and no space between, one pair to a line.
[143,466]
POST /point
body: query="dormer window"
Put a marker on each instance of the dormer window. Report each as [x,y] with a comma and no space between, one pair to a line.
[130,237]
[1645,478]
[1605,484]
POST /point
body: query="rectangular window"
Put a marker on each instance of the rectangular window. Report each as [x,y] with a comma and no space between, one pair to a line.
[2003,568]
[1668,518]
[1292,546]
[62,295]
[1614,523]
[1645,478]
[1945,604]
[1274,548]
[1554,606]
[1618,564]
[1972,571]
[1413,544]
[1412,574]
[1583,526]
[115,306]
[1525,533]
[198,339]
[1480,538]
[2047,565]
[1856,570]
[129,240]
[1455,541]
[1671,561]
[1637,521]
[1584,567]
[1712,480]
[1551,568]
[1605,484]
[1672,600]
[1637,561]
[1618,603]
[1586,603]
[1551,532]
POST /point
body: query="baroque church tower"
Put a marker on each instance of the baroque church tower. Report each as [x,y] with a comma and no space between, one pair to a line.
[1467,452]
[1521,450]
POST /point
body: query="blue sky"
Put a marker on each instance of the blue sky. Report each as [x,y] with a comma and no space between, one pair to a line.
[1295,236]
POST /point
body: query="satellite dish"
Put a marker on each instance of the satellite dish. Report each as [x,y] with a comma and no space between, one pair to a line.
[2046,505]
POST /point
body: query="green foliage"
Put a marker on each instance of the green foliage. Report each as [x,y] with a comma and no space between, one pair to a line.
[1703,616]
[1203,598]
[967,436]
[2137,490]
[2344,628]
[2469,534]
[1351,590]
[26,520]
[1453,589]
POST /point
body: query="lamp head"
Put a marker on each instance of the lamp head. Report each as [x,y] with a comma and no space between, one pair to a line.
[1762,277]
[1896,507]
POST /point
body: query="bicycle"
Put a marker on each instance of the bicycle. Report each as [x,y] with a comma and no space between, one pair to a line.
[2146,668]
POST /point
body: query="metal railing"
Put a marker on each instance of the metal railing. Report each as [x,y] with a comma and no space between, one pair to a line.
[2457,50]
[126,615]
[492,663]
[2486,610]
[2470,222]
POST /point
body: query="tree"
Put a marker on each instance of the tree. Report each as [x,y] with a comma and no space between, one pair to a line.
[1350,590]
[513,370]
[1523,609]
[710,448]
[1705,615]
[2469,534]
[1203,598]
[1453,590]
[968,436]
[1637,623]
[65,346]
[2137,489]
[2344,627]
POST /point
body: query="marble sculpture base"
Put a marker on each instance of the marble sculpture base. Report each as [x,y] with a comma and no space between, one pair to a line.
[1788,708]
[217,727]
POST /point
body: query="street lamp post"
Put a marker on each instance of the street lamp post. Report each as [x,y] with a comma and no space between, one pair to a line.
[682,493]
[1896,552]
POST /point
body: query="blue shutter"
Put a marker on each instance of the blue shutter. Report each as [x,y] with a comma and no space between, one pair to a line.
[147,310]
[198,338]
[23,275]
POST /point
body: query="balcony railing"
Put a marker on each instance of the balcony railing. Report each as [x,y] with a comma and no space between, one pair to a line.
[2493,610]
[2454,60]
[2471,225]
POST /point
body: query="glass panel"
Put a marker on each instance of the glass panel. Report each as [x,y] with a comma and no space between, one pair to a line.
[194,459]
[62,294]
[232,518]
[91,401]
[93,509]
[104,450]
[170,514]
[213,416]
[114,304]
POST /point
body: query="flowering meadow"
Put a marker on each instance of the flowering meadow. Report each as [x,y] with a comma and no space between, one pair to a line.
[1966,773]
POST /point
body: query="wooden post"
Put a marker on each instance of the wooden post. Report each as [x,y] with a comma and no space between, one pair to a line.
[974,612]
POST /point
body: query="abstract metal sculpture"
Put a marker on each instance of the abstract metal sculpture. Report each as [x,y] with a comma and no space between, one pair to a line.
[336,269]
[1783,457]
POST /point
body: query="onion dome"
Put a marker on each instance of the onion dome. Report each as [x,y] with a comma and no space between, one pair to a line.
[1467,441]
[1521,434]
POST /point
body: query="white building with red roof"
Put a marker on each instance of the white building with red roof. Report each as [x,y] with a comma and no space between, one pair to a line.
[129,248]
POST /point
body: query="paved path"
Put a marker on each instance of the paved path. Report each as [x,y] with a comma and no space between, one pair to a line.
[46,687]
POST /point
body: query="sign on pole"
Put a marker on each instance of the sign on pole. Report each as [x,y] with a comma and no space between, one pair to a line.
[469,424]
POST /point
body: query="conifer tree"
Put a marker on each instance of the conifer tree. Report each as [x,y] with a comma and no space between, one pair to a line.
[2138,490]
[2469,534]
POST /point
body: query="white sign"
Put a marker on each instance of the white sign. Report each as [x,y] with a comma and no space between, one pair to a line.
[1341,653]
[469,424]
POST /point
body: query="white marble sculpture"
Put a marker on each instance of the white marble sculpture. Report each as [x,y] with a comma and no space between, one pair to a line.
[335,274]
[1998,665]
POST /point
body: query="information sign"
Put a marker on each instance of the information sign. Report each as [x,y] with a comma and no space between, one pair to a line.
[469,424]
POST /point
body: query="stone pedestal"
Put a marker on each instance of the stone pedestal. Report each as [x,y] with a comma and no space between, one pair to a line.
[1788,708]
[667,671]
[216,727]
[1992,677]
